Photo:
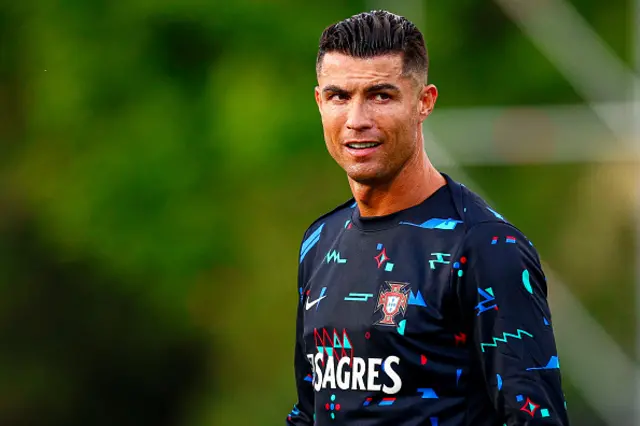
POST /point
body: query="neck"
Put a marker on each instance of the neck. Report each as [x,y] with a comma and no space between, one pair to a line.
[417,180]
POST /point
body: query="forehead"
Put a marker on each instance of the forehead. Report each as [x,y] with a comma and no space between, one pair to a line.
[338,68]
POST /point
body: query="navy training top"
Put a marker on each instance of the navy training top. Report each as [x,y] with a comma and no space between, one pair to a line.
[435,315]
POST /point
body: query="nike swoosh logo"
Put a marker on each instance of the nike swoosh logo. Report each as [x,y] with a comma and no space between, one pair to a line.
[310,305]
[322,296]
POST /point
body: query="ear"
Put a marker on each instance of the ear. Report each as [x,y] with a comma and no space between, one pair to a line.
[427,101]
[318,97]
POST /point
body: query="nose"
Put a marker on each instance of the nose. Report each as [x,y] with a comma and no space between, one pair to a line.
[358,118]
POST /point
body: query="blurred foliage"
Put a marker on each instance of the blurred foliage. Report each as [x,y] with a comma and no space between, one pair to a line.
[159,163]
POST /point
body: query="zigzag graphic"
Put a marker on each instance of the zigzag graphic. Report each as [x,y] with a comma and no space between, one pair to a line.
[334,256]
[504,338]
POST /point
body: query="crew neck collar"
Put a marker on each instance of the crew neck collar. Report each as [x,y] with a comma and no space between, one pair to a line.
[378,223]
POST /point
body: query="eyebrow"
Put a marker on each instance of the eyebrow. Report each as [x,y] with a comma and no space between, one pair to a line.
[381,87]
[332,88]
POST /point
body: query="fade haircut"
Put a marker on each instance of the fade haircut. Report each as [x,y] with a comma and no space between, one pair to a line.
[376,33]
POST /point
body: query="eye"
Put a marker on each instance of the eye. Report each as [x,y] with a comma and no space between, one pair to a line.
[382,96]
[338,97]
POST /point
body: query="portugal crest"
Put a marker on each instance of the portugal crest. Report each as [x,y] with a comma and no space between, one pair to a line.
[392,300]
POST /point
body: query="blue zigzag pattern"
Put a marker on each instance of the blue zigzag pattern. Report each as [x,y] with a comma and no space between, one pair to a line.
[504,338]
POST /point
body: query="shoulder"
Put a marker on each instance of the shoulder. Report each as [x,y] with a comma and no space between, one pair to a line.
[334,216]
[484,224]
[329,222]
[478,216]
[476,211]
[493,250]
[493,241]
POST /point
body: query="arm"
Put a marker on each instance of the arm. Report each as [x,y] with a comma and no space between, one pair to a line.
[302,413]
[506,295]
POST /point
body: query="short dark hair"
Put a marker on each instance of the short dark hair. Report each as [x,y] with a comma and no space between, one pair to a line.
[375,33]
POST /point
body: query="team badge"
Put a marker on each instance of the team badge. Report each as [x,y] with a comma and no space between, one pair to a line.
[392,300]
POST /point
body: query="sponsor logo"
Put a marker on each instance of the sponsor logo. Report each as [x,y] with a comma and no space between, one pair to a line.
[355,373]
[317,301]
[334,366]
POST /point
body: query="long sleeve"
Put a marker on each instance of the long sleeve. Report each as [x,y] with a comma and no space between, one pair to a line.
[302,412]
[506,297]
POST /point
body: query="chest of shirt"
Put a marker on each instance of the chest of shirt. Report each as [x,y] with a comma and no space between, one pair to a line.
[391,286]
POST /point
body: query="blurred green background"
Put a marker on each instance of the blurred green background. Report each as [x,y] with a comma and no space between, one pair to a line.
[159,162]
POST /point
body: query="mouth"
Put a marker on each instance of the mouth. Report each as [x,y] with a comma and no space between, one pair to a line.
[362,149]
[362,145]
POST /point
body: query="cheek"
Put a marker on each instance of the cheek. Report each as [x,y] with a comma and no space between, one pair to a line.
[407,123]
[400,131]
[331,130]
[332,125]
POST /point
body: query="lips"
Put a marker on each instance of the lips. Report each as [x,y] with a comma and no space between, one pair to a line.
[362,148]
[362,145]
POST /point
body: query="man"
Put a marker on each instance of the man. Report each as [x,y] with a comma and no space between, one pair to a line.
[418,303]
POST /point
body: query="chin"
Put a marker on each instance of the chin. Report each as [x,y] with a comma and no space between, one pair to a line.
[368,176]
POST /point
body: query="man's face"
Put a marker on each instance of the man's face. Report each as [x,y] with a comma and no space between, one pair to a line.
[371,114]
